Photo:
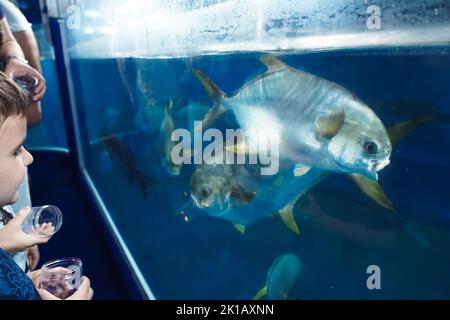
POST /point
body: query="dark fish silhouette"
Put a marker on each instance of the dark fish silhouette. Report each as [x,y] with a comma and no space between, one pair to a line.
[121,152]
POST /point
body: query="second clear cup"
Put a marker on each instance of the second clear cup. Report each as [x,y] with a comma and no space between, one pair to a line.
[62,277]
[43,221]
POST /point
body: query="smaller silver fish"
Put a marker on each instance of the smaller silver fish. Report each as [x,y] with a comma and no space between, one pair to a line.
[321,124]
[213,188]
[167,127]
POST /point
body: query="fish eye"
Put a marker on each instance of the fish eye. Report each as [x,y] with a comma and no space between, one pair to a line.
[370,147]
[204,193]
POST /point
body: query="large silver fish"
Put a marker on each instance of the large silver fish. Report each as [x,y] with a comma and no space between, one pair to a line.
[321,124]
[324,129]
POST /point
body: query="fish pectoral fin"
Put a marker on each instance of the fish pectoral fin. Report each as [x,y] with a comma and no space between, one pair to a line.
[329,125]
[300,170]
[261,293]
[239,227]
[373,190]
[274,64]
[403,129]
[240,195]
[287,215]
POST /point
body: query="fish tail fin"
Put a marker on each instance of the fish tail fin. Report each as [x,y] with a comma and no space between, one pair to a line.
[287,215]
[212,90]
[273,63]
[213,114]
[215,94]
[261,293]
[373,190]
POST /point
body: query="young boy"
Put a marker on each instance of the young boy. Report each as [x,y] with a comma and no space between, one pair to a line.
[14,283]
[23,33]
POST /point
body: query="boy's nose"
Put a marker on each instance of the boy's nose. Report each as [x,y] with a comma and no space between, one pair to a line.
[27,157]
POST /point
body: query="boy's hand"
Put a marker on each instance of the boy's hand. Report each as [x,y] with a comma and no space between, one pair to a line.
[33,257]
[15,65]
[84,292]
[35,277]
[13,239]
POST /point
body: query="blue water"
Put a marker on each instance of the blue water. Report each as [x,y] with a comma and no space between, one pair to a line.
[342,231]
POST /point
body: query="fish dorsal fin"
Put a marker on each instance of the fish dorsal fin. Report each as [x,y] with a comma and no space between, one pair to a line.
[329,125]
[273,64]
[403,129]
[373,190]
[261,293]
[212,90]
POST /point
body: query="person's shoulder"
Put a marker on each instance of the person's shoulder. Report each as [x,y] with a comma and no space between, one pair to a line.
[16,19]
[14,283]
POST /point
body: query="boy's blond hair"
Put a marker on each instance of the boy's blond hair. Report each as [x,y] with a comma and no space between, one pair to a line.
[13,100]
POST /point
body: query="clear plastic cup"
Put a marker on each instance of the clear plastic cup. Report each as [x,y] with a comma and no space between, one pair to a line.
[43,221]
[26,82]
[62,277]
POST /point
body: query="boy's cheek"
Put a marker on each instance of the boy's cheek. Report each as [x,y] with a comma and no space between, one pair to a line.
[15,197]
[6,199]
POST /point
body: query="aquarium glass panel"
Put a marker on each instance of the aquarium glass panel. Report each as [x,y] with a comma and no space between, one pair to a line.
[270,149]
